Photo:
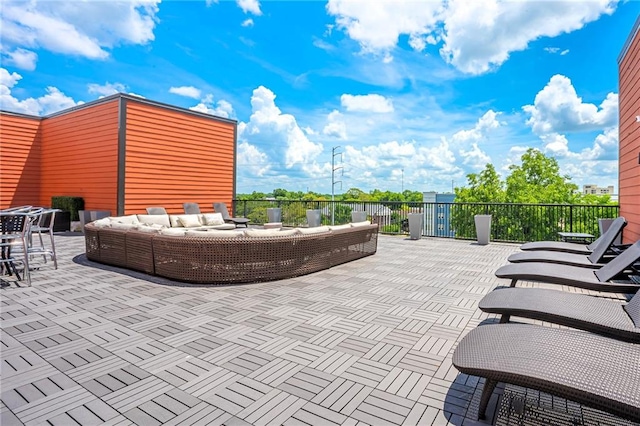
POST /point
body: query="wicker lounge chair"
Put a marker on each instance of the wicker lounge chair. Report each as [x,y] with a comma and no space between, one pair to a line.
[191,208]
[602,254]
[595,314]
[575,276]
[222,208]
[607,238]
[592,370]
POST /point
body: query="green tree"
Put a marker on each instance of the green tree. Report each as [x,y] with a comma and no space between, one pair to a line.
[484,187]
[538,180]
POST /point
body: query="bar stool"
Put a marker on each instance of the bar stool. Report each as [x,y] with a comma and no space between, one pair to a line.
[43,221]
[14,228]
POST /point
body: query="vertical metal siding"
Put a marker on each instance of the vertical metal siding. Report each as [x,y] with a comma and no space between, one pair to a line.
[20,148]
[174,157]
[629,107]
[80,156]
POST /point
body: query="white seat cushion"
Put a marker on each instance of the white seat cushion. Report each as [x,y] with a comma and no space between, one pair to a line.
[150,219]
[315,230]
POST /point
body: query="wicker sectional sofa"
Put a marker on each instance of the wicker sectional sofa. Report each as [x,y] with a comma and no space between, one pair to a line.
[206,255]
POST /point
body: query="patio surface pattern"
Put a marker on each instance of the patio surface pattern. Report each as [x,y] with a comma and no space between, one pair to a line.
[367,342]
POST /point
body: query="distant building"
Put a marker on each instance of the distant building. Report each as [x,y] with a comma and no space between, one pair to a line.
[438,214]
[597,190]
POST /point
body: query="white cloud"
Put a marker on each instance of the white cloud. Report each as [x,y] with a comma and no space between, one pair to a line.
[609,137]
[484,124]
[221,108]
[54,100]
[250,6]
[252,160]
[22,58]
[335,126]
[106,89]
[371,103]
[475,157]
[476,36]
[9,80]
[89,29]
[280,132]
[481,34]
[557,108]
[377,25]
[247,23]
[188,91]
[467,141]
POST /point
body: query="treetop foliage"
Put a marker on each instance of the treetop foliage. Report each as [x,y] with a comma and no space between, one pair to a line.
[537,180]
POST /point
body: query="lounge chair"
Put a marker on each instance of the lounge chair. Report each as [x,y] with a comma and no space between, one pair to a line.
[608,238]
[595,314]
[222,209]
[587,368]
[191,208]
[602,254]
[575,276]
[156,210]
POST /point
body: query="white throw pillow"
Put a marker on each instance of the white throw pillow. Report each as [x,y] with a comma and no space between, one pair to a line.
[188,220]
[150,219]
[338,227]
[213,219]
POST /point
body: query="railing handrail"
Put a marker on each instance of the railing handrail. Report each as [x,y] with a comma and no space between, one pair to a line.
[513,222]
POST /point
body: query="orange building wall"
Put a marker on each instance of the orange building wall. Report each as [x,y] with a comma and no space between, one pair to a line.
[20,147]
[174,157]
[629,98]
[80,155]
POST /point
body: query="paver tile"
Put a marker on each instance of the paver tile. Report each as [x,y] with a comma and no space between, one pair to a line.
[367,342]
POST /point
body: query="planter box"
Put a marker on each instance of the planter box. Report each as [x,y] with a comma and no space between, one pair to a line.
[313,218]
[358,216]
[274,215]
[415,225]
[62,221]
[483,228]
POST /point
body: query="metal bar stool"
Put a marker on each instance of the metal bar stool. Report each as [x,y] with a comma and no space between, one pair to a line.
[14,228]
[43,221]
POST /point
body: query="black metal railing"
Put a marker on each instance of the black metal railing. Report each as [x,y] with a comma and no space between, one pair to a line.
[510,222]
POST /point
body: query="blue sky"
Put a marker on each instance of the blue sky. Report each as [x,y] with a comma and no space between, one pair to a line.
[415,93]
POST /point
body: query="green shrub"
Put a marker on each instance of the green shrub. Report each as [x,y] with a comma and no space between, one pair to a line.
[69,204]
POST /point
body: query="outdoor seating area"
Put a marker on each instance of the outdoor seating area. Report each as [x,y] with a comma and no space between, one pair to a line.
[370,341]
[204,249]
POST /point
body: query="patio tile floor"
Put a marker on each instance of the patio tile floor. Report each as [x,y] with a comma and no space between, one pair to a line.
[367,342]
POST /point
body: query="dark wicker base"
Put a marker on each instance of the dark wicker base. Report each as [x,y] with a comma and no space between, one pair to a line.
[228,260]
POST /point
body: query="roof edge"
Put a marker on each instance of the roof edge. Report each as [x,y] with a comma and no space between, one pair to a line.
[20,114]
[627,44]
[130,98]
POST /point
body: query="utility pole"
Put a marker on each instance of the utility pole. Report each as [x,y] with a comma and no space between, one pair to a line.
[334,154]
